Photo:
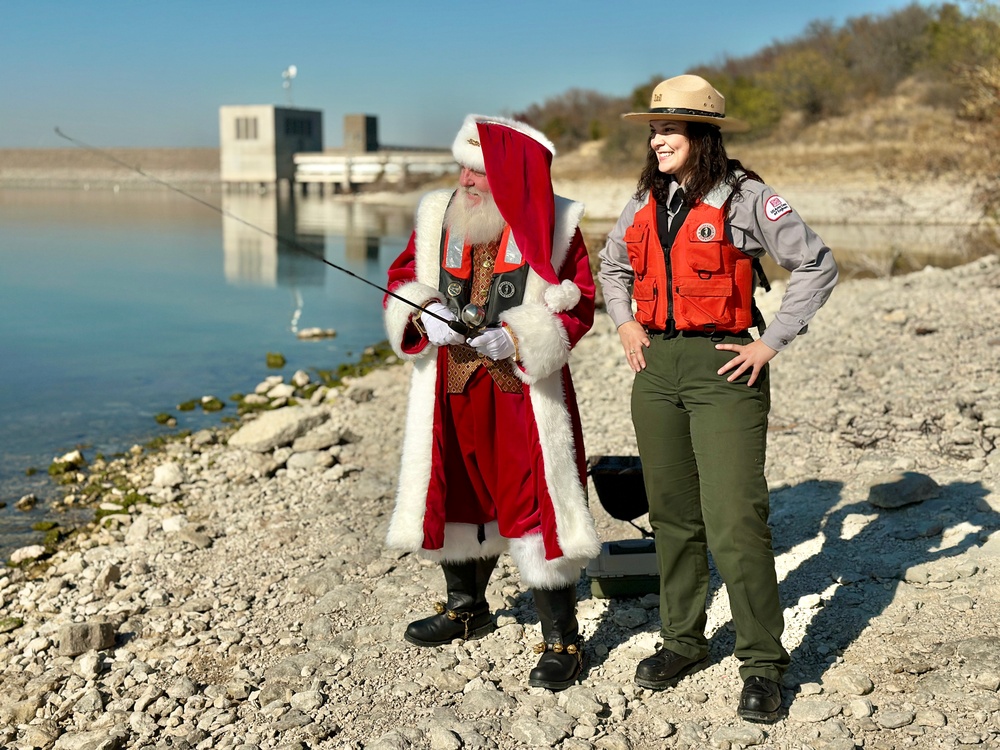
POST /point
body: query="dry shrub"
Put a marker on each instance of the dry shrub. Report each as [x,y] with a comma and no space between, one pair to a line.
[981,106]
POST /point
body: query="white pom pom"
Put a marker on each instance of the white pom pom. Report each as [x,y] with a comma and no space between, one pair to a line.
[563,297]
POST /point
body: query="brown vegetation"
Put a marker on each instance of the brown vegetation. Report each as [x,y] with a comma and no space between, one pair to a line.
[912,96]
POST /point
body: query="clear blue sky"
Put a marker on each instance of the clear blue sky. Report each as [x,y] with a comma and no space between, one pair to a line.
[154,72]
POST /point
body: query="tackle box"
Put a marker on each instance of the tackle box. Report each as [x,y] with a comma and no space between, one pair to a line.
[626,567]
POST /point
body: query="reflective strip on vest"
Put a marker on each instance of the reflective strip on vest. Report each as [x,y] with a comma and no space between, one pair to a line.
[458,255]
[511,256]
[454,247]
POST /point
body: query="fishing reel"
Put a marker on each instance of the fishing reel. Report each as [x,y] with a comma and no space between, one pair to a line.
[470,320]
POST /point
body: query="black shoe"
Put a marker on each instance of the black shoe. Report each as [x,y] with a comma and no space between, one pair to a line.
[562,657]
[447,625]
[558,666]
[760,700]
[466,614]
[665,669]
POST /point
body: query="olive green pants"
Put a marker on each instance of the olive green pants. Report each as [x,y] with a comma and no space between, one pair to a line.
[702,441]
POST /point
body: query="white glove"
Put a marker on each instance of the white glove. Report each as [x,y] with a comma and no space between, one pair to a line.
[438,332]
[494,343]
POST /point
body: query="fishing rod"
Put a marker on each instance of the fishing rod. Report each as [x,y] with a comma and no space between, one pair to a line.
[472,315]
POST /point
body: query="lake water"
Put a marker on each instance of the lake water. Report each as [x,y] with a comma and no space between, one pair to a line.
[119,306]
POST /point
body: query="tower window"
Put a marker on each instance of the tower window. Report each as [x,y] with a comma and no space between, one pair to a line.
[246,128]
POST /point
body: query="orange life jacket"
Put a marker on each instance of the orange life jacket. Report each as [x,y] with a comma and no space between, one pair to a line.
[709,285]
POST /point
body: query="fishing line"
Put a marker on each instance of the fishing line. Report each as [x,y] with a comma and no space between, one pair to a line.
[456,325]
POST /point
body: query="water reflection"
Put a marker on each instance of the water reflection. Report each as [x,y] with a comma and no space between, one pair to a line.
[350,217]
[251,248]
[253,224]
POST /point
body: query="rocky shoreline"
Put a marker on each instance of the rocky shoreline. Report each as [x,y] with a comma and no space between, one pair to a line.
[236,592]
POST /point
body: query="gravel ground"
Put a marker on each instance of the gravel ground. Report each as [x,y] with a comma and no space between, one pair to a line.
[237,593]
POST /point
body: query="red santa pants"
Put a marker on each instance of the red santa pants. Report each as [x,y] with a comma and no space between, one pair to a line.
[492,460]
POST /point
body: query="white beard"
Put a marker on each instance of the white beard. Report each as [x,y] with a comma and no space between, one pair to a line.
[477,224]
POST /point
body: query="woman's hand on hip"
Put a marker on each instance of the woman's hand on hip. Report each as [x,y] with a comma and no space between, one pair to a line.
[634,338]
[750,356]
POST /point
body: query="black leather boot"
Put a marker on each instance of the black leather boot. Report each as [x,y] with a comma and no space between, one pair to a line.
[466,614]
[665,668]
[760,700]
[562,657]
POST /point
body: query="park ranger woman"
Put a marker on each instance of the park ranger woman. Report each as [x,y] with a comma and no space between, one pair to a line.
[684,252]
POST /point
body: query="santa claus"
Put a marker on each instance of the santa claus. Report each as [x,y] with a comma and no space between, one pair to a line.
[493,455]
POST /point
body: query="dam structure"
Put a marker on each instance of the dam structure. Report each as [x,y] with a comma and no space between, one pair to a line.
[265,147]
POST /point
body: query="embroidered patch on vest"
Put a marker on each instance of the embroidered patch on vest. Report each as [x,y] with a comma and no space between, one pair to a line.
[454,289]
[776,207]
[706,232]
[506,289]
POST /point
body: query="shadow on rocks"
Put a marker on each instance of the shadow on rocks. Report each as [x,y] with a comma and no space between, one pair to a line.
[859,554]
[865,552]
[625,616]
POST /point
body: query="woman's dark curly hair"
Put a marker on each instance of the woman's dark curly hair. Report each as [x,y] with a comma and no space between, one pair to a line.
[709,162]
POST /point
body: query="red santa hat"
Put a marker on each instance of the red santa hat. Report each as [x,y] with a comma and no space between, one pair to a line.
[517,160]
[467,147]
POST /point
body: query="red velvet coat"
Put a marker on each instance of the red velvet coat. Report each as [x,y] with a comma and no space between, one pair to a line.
[548,323]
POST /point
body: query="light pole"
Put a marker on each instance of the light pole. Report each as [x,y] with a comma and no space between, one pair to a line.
[288,74]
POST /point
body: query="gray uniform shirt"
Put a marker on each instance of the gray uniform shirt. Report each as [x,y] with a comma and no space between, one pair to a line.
[759,222]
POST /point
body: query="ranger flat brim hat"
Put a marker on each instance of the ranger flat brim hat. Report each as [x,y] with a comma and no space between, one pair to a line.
[690,99]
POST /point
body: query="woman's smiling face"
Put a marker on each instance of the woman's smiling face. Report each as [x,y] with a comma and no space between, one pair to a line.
[668,139]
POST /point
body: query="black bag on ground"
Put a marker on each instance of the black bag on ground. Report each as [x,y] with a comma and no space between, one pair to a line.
[619,484]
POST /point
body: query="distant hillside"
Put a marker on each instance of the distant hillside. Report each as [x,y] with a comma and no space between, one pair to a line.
[824,73]
[896,110]
[899,137]
[75,166]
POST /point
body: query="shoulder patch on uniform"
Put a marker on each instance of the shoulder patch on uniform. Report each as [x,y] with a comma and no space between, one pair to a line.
[776,207]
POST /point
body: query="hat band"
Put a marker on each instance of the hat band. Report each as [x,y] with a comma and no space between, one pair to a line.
[682,111]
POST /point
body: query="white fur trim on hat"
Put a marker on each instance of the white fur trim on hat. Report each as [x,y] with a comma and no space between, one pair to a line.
[469,153]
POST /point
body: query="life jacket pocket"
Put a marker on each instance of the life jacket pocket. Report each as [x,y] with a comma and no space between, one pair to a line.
[645,293]
[705,256]
[701,303]
[644,289]
[635,240]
